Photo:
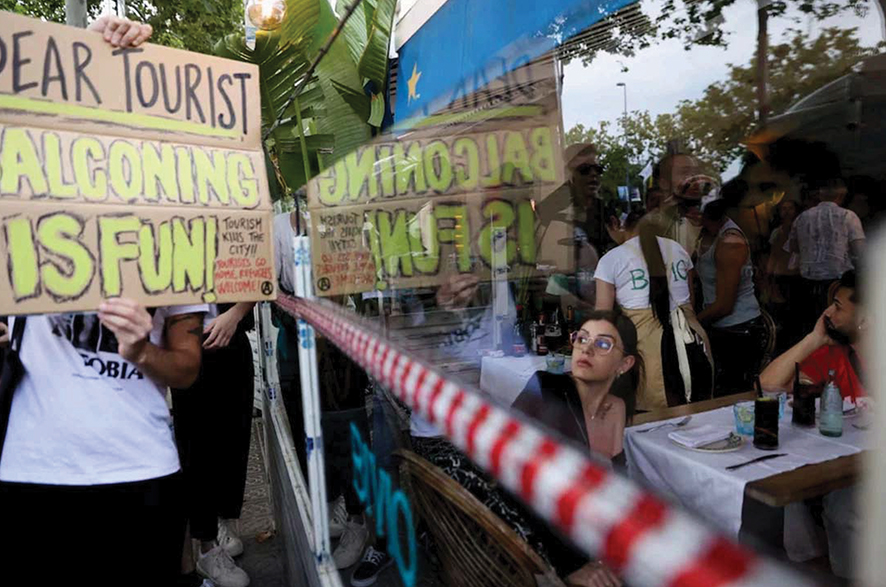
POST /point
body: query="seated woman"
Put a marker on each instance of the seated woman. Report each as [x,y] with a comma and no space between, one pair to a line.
[592,404]
[649,277]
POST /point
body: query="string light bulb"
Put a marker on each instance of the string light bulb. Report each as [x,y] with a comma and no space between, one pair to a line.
[266,15]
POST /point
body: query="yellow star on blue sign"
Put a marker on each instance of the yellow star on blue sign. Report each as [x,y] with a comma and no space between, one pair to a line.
[412,83]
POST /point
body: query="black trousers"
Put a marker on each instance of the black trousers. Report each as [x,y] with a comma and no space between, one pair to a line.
[738,353]
[213,425]
[99,535]
[335,424]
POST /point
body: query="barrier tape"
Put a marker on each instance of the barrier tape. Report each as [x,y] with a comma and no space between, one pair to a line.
[644,539]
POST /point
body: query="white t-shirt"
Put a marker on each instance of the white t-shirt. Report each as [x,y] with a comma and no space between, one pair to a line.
[625,267]
[81,414]
[284,256]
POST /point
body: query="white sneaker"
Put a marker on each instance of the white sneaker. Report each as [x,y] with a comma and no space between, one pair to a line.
[351,546]
[217,566]
[338,517]
[228,537]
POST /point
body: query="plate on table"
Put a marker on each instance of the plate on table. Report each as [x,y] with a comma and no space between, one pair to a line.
[731,444]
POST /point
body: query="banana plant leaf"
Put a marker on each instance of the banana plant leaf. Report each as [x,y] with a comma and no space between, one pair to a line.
[373,63]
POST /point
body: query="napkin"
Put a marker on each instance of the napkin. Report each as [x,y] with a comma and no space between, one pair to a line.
[700,436]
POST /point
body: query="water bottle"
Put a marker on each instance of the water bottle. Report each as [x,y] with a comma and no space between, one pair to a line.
[831,422]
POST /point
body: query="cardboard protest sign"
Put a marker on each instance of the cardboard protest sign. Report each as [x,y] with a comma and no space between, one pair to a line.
[127,172]
[414,210]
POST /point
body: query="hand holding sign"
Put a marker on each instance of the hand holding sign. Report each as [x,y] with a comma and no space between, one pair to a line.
[4,335]
[121,32]
[130,323]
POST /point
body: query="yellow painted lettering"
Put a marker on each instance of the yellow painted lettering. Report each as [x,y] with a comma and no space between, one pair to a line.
[155,256]
[185,169]
[526,232]
[211,175]
[241,181]
[333,184]
[22,262]
[52,161]
[394,243]
[85,152]
[467,177]
[458,234]
[360,165]
[516,158]
[19,160]
[386,170]
[125,170]
[438,167]
[70,276]
[159,170]
[409,169]
[188,254]
[423,241]
[493,163]
[211,252]
[112,251]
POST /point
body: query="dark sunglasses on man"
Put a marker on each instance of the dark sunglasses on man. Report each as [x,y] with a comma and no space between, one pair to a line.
[586,169]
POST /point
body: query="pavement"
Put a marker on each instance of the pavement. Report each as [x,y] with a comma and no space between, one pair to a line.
[263,554]
[262,557]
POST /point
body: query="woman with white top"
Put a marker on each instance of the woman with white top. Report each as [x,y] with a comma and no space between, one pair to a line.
[673,344]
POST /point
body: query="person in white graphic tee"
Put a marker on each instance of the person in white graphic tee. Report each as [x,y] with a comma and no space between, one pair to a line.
[89,475]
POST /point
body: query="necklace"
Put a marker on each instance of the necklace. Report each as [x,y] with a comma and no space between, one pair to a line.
[602,410]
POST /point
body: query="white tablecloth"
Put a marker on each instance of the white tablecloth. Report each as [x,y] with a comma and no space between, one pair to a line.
[505,377]
[700,482]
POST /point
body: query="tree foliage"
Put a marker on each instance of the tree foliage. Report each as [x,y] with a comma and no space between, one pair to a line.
[713,125]
[194,25]
[692,22]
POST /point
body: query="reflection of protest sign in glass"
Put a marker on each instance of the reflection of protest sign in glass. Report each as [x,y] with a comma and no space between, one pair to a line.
[133,172]
[414,210]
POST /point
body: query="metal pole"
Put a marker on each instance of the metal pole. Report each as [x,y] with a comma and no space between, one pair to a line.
[310,397]
[624,129]
[762,60]
[75,13]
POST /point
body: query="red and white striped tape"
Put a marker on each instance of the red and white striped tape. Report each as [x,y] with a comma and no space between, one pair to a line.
[646,540]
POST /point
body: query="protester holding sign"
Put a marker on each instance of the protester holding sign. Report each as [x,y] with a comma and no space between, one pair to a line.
[125,202]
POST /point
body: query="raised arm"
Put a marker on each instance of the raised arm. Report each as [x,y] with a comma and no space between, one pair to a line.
[780,372]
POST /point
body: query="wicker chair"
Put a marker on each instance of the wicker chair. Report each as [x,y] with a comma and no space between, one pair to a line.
[475,547]
[771,333]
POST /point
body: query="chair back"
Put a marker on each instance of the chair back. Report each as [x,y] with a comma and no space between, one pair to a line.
[769,343]
[476,548]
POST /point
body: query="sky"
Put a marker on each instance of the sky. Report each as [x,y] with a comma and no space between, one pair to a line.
[659,77]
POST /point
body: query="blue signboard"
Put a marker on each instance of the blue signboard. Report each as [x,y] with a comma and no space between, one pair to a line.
[468,43]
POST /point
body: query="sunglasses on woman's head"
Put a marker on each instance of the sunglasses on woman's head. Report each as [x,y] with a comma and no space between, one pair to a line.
[602,344]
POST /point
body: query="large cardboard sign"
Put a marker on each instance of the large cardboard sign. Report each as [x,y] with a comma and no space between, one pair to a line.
[134,172]
[458,195]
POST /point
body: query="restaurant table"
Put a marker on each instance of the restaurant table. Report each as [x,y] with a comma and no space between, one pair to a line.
[814,464]
[505,377]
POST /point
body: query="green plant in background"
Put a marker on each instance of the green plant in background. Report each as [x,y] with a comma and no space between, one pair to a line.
[341,106]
